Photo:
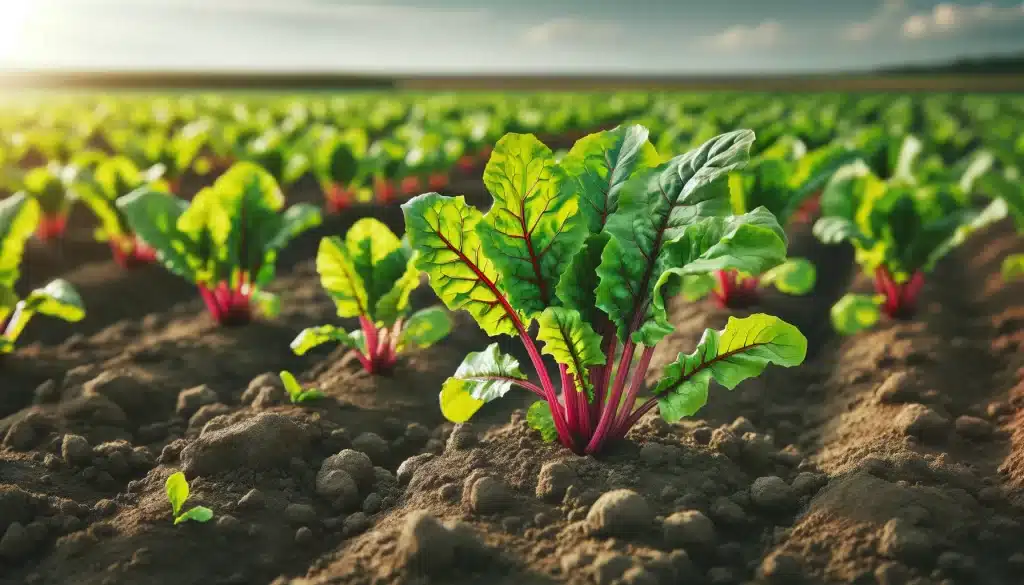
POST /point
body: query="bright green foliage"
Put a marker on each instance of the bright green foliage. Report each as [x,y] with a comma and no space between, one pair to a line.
[177,493]
[903,228]
[443,232]
[1013,267]
[100,187]
[571,341]
[370,274]
[750,243]
[19,215]
[742,350]
[855,313]
[598,165]
[795,276]
[296,393]
[228,236]
[49,185]
[533,227]
[482,377]
[530,258]
[782,183]
[654,209]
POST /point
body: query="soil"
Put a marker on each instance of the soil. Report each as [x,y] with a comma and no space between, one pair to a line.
[892,457]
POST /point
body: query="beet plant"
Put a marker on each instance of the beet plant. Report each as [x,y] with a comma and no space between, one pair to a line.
[226,240]
[336,164]
[782,179]
[591,249]
[19,215]
[100,189]
[49,186]
[899,230]
[370,274]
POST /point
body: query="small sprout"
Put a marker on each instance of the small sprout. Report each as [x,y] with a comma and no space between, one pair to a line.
[296,392]
[177,493]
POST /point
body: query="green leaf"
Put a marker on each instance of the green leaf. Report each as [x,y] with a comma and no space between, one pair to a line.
[855,313]
[751,243]
[153,215]
[19,216]
[969,223]
[538,416]
[309,395]
[533,228]
[697,286]
[315,336]
[291,385]
[341,280]
[442,231]
[836,230]
[571,341]
[598,166]
[742,350]
[654,208]
[395,302]
[177,491]
[910,150]
[425,328]
[1013,267]
[57,299]
[577,288]
[482,377]
[364,268]
[200,514]
[795,276]
[8,300]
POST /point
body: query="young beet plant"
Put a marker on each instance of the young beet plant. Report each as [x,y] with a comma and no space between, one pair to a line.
[19,216]
[226,241]
[177,493]
[781,180]
[899,231]
[296,393]
[590,249]
[49,187]
[100,190]
[370,274]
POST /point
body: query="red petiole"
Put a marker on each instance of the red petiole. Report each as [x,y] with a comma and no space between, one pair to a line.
[900,298]
[735,290]
[229,304]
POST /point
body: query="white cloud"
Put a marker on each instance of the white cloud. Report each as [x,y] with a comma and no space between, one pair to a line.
[948,18]
[572,30]
[764,35]
[887,13]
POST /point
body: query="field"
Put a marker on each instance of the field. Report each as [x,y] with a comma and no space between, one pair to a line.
[883,443]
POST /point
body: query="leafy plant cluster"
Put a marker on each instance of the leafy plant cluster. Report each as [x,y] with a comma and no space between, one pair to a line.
[590,248]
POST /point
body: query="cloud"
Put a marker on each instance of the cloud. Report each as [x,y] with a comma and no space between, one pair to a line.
[947,19]
[571,30]
[764,35]
[865,30]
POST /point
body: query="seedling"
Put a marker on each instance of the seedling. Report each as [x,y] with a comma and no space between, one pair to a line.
[590,249]
[177,493]
[899,231]
[100,189]
[19,215]
[226,241]
[781,180]
[296,393]
[370,275]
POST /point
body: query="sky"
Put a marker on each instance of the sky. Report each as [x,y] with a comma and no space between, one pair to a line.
[515,36]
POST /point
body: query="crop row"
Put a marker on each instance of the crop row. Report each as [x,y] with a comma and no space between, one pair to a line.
[580,251]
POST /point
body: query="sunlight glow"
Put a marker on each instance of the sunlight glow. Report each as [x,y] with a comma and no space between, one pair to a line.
[14,16]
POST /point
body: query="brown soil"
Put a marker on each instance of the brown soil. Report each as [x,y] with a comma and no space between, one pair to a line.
[892,457]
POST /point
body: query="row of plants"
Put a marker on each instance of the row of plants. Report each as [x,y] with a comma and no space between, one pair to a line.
[590,244]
